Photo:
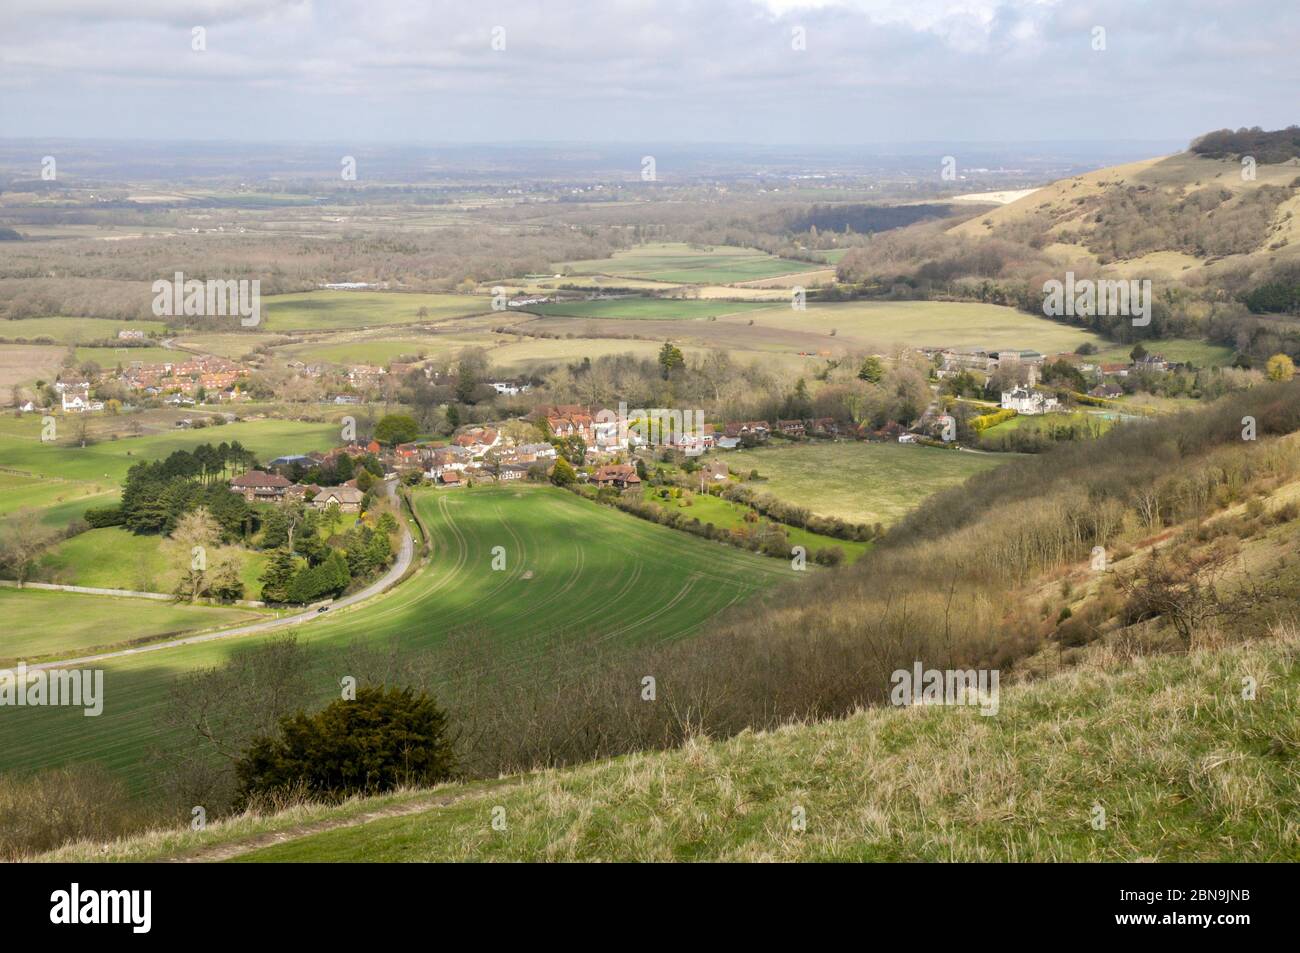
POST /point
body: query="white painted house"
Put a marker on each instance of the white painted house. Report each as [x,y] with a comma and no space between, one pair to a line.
[1025,401]
[511,388]
[76,398]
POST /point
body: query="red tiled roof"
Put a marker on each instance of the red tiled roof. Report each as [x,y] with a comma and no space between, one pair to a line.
[257,478]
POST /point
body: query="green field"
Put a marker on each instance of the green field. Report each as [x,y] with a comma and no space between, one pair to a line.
[1102,418]
[74,330]
[105,463]
[824,330]
[1183,350]
[663,309]
[859,482]
[383,350]
[724,513]
[114,558]
[335,310]
[58,500]
[109,358]
[521,353]
[930,324]
[573,568]
[232,345]
[40,623]
[687,264]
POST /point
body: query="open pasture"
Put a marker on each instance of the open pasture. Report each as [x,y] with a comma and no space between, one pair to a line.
[40,623]
[107,461]
[859,482]
[884,324]
[689,264]
[115,558]
[64,330]
[333,310]
[59,501]
[110,357]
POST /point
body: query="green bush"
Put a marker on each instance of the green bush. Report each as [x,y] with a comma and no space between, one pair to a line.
[329,577]
[396,428]
[383,739]
[98,517]
[828,556]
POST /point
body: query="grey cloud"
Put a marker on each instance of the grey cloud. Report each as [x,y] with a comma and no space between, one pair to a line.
[653,69]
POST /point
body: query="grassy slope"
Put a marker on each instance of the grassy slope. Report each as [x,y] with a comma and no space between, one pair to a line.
[594,571]
[1185,769]
[1180,171]
[58,500]
[39,623]
[861,482]
[114,558]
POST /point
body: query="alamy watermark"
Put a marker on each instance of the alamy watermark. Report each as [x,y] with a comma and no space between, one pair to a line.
[656,426]
[53,688]
[212,298]
[1086,297]
[99,907]
[951,686]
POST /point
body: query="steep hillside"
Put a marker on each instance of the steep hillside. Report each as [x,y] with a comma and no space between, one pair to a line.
[1174,216]
[1182,765]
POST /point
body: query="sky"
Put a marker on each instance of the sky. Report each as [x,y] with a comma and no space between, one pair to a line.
[830,72]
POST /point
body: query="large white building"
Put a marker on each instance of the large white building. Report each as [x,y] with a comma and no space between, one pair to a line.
[76,398]
[1025,401]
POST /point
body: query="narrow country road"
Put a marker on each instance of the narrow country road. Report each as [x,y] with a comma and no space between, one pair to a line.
[405,553]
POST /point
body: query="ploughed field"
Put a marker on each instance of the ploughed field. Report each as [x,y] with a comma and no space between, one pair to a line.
[573,568]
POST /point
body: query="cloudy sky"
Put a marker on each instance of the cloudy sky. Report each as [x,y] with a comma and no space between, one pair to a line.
[752,71]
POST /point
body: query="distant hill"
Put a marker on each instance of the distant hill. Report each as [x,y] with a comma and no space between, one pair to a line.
[1177,216]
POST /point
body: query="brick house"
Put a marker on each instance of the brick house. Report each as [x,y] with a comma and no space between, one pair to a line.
[618,475]
[348,498]
[257,486]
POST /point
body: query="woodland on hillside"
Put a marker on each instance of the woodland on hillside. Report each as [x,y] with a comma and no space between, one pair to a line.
[1266,147]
